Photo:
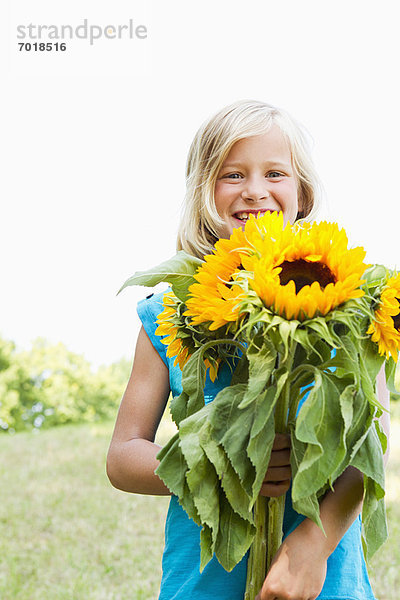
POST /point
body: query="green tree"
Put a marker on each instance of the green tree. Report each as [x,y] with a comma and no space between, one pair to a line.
[18,392]
[50,385]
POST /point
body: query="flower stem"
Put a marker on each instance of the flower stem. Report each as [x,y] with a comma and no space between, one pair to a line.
[269,512]
[283,404]
[276,509]
[256,567]
[276,506]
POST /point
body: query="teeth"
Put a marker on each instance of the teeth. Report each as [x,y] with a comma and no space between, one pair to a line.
[244,216]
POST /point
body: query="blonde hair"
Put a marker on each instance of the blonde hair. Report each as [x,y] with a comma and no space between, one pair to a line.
[200,221]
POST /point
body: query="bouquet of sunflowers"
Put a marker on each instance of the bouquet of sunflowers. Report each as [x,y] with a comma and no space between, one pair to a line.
[293,311]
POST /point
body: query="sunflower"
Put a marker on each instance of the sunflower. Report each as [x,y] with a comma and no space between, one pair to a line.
[216,296]
[385,328]
[303,270]
[180,344]
[297,271]
[168,326]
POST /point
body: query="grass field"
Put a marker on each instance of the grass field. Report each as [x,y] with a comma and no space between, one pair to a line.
[66,534]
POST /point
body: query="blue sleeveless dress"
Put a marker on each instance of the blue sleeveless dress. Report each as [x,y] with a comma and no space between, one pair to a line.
[346,578]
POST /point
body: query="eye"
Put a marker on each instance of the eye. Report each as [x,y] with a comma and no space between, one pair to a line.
[232,176]
[274,174]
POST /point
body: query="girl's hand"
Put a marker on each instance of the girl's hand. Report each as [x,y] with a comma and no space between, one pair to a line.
[278,475]
[297,572]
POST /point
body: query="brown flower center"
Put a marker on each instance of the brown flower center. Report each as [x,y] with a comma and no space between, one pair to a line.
[304,272]
[396,319]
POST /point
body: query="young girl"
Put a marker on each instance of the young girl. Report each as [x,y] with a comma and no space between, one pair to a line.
[249,158]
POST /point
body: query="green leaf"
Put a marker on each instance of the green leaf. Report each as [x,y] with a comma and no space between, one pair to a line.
[356,412]
[375,530]
[368,384]
[369,460]
[375,274]
[349,318]
[263,410]
[193,380]
[391,370]
[282,409]
[231,428]
[287,330]
[262,437]
[307,505]
[235,536]
[172,467]
[302,337]
[346,360]
[370,357]
[187,503]
[241,372]
[235,494]
[381,435]
[362,421]
[189,435]
[320,426]
[178,271]
[178,407]
[261,364]
[201,476]
[204,487]
[319,325]
[206,545]
[346,401]
[172,471]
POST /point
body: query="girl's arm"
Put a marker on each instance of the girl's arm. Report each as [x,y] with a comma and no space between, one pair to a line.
[299,567]
[131,459]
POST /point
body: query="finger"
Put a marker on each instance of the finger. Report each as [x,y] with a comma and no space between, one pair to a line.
[282,440]
[273,490]
[279,458]
[276,474]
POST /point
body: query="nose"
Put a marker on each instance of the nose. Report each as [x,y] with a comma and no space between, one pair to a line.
[255,189]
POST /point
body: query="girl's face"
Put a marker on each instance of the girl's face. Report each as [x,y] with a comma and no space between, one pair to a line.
[256,176]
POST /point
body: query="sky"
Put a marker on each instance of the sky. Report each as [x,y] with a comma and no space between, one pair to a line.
[94,141]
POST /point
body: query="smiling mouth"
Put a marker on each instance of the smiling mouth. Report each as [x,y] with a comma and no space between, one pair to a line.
[244,215]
